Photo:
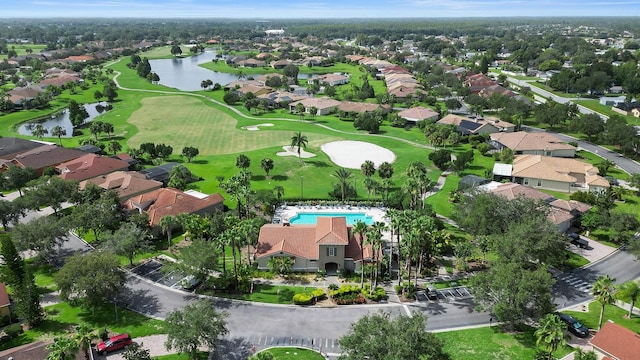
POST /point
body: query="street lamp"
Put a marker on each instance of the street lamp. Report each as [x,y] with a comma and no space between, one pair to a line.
[301,187]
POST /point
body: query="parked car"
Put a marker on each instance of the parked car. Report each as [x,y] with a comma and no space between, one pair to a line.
[114,343]
[574,326]
[612,181]
[189,283]
[431,292]
[578,241]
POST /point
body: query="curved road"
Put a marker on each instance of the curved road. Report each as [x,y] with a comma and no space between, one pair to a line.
[253,324]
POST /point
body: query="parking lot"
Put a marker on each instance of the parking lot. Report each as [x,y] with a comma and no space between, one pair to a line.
[457,292]
[153,271]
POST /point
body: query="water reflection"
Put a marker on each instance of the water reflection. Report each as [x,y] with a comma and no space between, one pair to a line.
[62,120]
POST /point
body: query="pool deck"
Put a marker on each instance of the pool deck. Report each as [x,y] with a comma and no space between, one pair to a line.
[284,213]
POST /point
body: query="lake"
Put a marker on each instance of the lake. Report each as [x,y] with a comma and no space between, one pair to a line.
[185,74]
[62,120]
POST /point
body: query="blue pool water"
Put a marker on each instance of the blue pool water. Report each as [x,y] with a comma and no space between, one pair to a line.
[310,218]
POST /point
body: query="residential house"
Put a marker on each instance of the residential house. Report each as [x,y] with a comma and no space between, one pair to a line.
[616,342]
[234,60]
[241,83]
[22,96]
[612,100]
[126,184]
[91,149]
[162,172]
[417,114]
[168,201]
[404,90]
[635,112]
[324,105]
[330,79]
[278,98]
[329,245]
[552,173]
[89,166]
[626,108]
[360,107]
[59,81]
[5,302]
[251,63]
[255,90]
[279,64]
[478,82]
[472,126]
[535,143]
[496,89]
[32,351]
[40,158]
[10,147]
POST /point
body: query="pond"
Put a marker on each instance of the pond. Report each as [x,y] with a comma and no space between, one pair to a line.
[184,73]
[63,120]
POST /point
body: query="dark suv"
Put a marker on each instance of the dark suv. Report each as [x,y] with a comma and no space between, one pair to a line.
[578,241]
[574,326]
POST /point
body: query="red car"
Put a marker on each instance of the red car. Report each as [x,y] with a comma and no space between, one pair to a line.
[114,343]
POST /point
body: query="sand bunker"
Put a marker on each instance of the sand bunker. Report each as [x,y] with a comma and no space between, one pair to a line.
[293,151]
[351,154]
[255,127]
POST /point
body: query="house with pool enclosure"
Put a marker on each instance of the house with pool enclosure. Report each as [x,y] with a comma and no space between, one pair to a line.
[329,244]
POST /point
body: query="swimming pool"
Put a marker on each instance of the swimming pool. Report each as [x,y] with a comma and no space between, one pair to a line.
[310,218]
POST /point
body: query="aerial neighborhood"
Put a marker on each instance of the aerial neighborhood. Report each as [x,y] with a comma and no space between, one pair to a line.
[366,189]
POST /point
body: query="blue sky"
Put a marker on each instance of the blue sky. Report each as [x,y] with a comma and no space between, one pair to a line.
[316,8]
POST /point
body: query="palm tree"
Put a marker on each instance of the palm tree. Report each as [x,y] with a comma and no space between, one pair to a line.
[629,291]
[114,146]
[550,332]
[604,292]
[84,335]
[62,348]
[279,190]
[39,131]
[300,141]
[360,228]
[343,176]
[368,168]
[385,170]
[58,131]
[267,165]
[167,224]
[375,239]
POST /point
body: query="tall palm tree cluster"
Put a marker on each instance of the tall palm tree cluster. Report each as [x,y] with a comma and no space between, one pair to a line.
[370,236]
[420,237]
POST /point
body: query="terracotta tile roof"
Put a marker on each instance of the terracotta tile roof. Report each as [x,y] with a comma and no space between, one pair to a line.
[89,166]
[571,205]
[319,103]
[32,351]
[304,240]
[331,231]
[58,80]
[46,155]
[617,341]
[126,183]
[169,201]
[418,113]
[4,297]
[557,169]
[558,216]
[359,107]
[522,141]
[511,191]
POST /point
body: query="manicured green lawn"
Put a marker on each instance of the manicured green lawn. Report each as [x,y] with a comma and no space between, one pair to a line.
[611,312]
[270,294]
[294,353]
[201,356]
[21,49]
[63,318]
[574,261]
[492,343]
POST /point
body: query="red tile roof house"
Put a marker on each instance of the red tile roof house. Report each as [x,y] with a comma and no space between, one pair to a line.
[417,114]
[43,157]
[329,245]
[169,201]
[616,342]
[89,166]
[126,184]
[537,143]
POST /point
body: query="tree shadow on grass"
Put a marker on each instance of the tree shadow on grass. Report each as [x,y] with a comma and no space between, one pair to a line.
[258,177]
[200,161]
[233,349]
[279,178]
[318,164]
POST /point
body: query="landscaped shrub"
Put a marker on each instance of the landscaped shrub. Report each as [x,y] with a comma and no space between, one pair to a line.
[333,287]
[318,294]
[409,291]
[347,294]
[378,294]
[13,330]
[302,299]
